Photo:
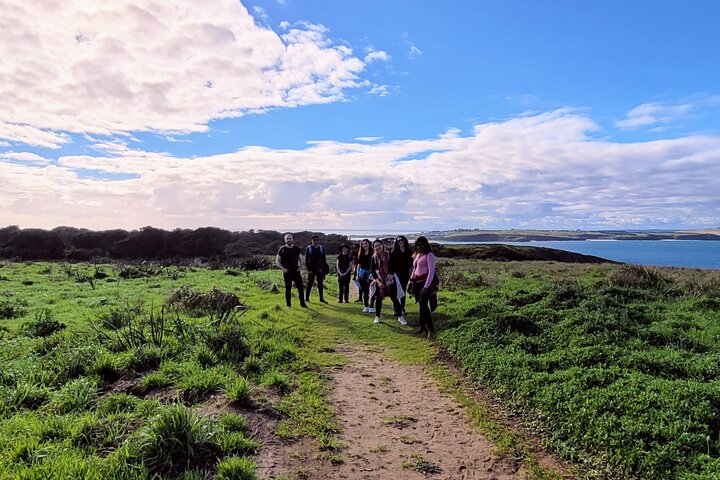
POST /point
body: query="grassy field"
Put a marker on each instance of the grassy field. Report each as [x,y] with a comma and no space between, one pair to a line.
[108,371]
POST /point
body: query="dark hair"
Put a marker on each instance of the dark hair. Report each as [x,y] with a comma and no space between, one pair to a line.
[360,249]
[314,237]
[377,240]
[396,246]
[422,242]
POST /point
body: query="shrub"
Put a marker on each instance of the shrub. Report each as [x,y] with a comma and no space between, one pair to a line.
[256,262]
[43,324]
[11,307]
[176,440]
[229,342]
[236,468]
[640,276]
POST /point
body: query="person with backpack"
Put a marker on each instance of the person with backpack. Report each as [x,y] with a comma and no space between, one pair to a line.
[344,267]
[317,267]
[288,260]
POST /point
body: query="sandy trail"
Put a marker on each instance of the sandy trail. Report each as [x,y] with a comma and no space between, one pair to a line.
[395,423]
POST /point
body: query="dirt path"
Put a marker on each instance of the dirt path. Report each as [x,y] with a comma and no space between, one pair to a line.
[394,424]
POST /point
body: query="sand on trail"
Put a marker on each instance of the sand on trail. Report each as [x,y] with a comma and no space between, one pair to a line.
[395,423]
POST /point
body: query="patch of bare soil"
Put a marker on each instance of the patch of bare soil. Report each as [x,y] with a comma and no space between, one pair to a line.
[395,423]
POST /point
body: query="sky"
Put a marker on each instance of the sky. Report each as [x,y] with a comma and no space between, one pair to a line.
[408,115]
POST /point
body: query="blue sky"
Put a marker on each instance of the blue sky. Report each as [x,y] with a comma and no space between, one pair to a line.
[406,115]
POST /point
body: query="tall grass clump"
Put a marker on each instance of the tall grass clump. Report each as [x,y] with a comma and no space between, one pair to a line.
[176,440]
[236,468]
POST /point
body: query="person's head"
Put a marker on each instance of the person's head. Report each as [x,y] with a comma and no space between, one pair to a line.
[315,240]
[288,239]
[401,241]
[422,245]
[344,248]
[378,246]
[364,246]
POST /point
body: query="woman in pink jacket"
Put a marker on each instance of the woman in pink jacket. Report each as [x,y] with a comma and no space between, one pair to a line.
[424,284]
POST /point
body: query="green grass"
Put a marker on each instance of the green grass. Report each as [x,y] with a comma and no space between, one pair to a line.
[618,367]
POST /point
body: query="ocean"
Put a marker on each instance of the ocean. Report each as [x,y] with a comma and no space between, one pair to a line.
[669,253]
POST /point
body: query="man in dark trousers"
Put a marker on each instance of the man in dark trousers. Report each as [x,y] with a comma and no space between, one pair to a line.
[288,260]
[317,266]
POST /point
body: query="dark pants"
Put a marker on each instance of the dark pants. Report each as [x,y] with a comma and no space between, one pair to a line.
[344,287]
[425,315]
[311,279]
[290,277]
[401,303]
[389,292]
[365,290]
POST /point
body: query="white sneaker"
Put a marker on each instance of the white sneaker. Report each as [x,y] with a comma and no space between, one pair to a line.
[377,320]
[402,320]
[366,310]
[371,310]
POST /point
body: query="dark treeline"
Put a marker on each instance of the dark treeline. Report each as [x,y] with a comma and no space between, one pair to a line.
[148,243]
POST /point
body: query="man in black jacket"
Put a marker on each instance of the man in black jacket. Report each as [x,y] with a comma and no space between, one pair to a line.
[317,266]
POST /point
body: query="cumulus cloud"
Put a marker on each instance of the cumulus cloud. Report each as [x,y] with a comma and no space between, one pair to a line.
[534,171]
[376,55]
[144,65]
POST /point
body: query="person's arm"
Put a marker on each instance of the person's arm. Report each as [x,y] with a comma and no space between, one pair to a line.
[430,259]
[278,262]
[337,267]
[299,261]
[307,257]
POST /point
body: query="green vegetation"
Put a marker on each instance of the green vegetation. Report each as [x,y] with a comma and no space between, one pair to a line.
[148,372]
[620,370]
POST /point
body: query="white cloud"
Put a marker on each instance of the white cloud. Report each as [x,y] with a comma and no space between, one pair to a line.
[540,171]
[649,114]
[376,55]
[368,139]
[28,157]
[144,65]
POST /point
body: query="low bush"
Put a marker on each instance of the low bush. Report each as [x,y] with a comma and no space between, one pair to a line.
[43,324]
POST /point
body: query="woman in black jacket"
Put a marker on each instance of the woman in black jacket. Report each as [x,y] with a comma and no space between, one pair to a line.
[401,264]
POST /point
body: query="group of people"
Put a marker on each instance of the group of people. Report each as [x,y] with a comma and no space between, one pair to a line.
[378,273]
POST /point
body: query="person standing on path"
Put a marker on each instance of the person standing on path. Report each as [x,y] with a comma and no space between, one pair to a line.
[401,264]
[383,281]
[344,266]
[363,264]
[317,266]
[288,260]
[424,285]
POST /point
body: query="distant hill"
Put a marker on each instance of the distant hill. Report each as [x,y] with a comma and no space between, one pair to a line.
[561,235]
[508,253]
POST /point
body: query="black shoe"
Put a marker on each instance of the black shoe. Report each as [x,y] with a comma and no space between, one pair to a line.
[419,331]
[359,300]
[430,335]
[322,300]
[303,305]
[340,300]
